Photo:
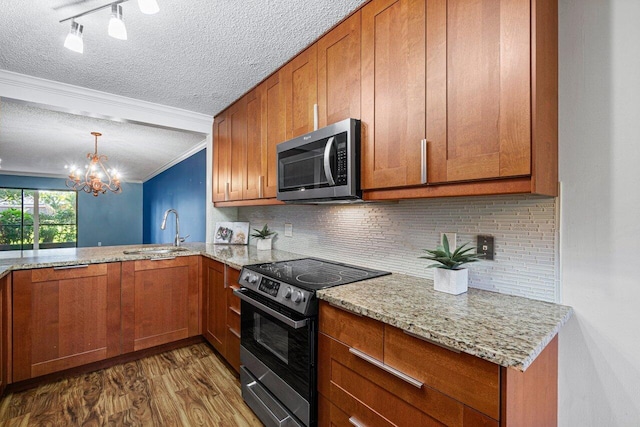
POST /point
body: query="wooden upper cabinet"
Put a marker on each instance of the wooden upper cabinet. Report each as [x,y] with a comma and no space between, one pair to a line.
[478,89]
[275,130]
[221,157]
[301,92]
[339,72]
[253,180]
[393,92]
[63,318]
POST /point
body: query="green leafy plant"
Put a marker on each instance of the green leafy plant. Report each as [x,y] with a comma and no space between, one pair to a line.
[265,233]
[446,259]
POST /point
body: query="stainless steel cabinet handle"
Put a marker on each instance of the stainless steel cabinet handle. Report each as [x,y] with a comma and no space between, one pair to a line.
[164,258]
[327,162]
[378,364]
[295,324]
[260,186]
[69,267]
[226,192]
[423,161]
[315,116]
[354,422]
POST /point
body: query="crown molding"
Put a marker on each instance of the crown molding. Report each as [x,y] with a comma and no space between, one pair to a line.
[51,175]
[202,145]
[82,101]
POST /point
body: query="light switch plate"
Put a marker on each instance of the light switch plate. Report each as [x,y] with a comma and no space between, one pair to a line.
[288,230]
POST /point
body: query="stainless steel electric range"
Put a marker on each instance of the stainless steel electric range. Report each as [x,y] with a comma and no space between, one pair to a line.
[279,335]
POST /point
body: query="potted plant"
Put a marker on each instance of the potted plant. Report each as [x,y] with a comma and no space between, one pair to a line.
[264,237]
[449,276]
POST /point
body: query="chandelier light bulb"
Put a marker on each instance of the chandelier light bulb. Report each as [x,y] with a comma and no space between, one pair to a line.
[117,29]
[74,38]
[148,7]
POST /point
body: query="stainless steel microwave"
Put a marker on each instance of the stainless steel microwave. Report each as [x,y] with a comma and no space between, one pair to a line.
[321,166]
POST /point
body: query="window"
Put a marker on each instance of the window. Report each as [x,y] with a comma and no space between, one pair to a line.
[46,217]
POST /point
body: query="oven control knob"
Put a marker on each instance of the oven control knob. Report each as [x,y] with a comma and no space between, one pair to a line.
[251,278]
[288,292]
[296,297]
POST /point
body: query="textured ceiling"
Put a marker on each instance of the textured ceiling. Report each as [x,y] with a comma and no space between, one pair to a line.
[28,146]
[197,55]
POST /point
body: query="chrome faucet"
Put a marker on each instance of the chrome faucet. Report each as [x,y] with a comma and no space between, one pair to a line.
[177,240]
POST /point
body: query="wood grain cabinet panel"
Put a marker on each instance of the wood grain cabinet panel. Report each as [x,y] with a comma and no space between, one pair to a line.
[160,301]
[275,131]
[64,318]
[253,181]
[339,72]
[393,92]
[221,158]
[5,332]
[301,92]
[443,388]
[229,152]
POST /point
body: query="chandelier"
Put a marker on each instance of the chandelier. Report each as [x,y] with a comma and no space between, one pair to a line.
[91,181]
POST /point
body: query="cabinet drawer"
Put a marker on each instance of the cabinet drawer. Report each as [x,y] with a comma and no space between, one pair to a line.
[231,277]
[155,264]
[68,272]
[353,384]
[233,348]
[356,331]
[469,379]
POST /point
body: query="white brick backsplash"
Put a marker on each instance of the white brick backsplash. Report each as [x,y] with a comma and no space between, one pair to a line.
[391,236]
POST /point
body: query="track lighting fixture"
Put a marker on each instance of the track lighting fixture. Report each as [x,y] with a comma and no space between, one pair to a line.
[74,38]
[116,27]
[117,30]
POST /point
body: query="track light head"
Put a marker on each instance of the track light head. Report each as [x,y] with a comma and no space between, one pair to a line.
[74,38]
[117,28]
[148,7]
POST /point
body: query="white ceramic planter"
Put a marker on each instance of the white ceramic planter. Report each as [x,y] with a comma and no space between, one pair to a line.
[454,282]
[264,244]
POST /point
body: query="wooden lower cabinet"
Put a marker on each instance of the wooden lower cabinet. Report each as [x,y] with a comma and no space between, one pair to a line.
[64,317]
[5,331]
[160,301]
[360,381]
[221,310]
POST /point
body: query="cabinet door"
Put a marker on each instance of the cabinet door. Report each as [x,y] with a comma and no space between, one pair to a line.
[339,73]
[478,89]
[221,158]
[237,118]
[275,131]
[5,334]
[232,352]
[159,302]
[393,92]
[64,318]
[301,90]
[253,182]
[215,305]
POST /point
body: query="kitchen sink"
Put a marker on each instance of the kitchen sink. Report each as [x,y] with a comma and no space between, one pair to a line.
[155,251]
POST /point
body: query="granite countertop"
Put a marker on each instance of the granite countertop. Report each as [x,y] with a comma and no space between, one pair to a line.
[507,330]
[235,256]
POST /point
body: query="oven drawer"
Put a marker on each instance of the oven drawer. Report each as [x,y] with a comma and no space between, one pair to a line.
[356,331]
[355,385]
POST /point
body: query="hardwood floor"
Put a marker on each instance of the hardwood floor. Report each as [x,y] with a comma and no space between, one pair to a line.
[189,386]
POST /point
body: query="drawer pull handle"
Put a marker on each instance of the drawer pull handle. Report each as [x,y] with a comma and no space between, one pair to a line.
[378,364]
[235,310]
[69,267]
[162,258]
[423,161]
[236,333]
[354,422]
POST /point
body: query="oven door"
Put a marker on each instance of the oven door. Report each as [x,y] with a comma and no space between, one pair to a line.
[278,349]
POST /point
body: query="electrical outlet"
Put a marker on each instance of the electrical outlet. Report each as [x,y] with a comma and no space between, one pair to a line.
[485,247]
[99,243]
[288,230]
[452,238]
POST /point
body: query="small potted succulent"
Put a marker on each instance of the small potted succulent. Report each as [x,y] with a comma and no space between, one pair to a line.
[449,276]
[264,237]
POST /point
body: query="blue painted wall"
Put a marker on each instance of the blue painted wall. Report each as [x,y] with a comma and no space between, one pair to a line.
[112,219]
[182,187]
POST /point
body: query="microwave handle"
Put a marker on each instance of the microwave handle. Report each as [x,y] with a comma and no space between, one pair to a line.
[327,164]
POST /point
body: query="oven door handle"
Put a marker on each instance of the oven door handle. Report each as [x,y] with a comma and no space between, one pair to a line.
[295,324]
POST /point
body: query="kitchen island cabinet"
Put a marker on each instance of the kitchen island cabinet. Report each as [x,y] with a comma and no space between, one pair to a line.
[160,301]
[64,317]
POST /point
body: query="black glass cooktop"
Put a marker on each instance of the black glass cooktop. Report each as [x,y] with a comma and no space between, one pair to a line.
[313,273]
